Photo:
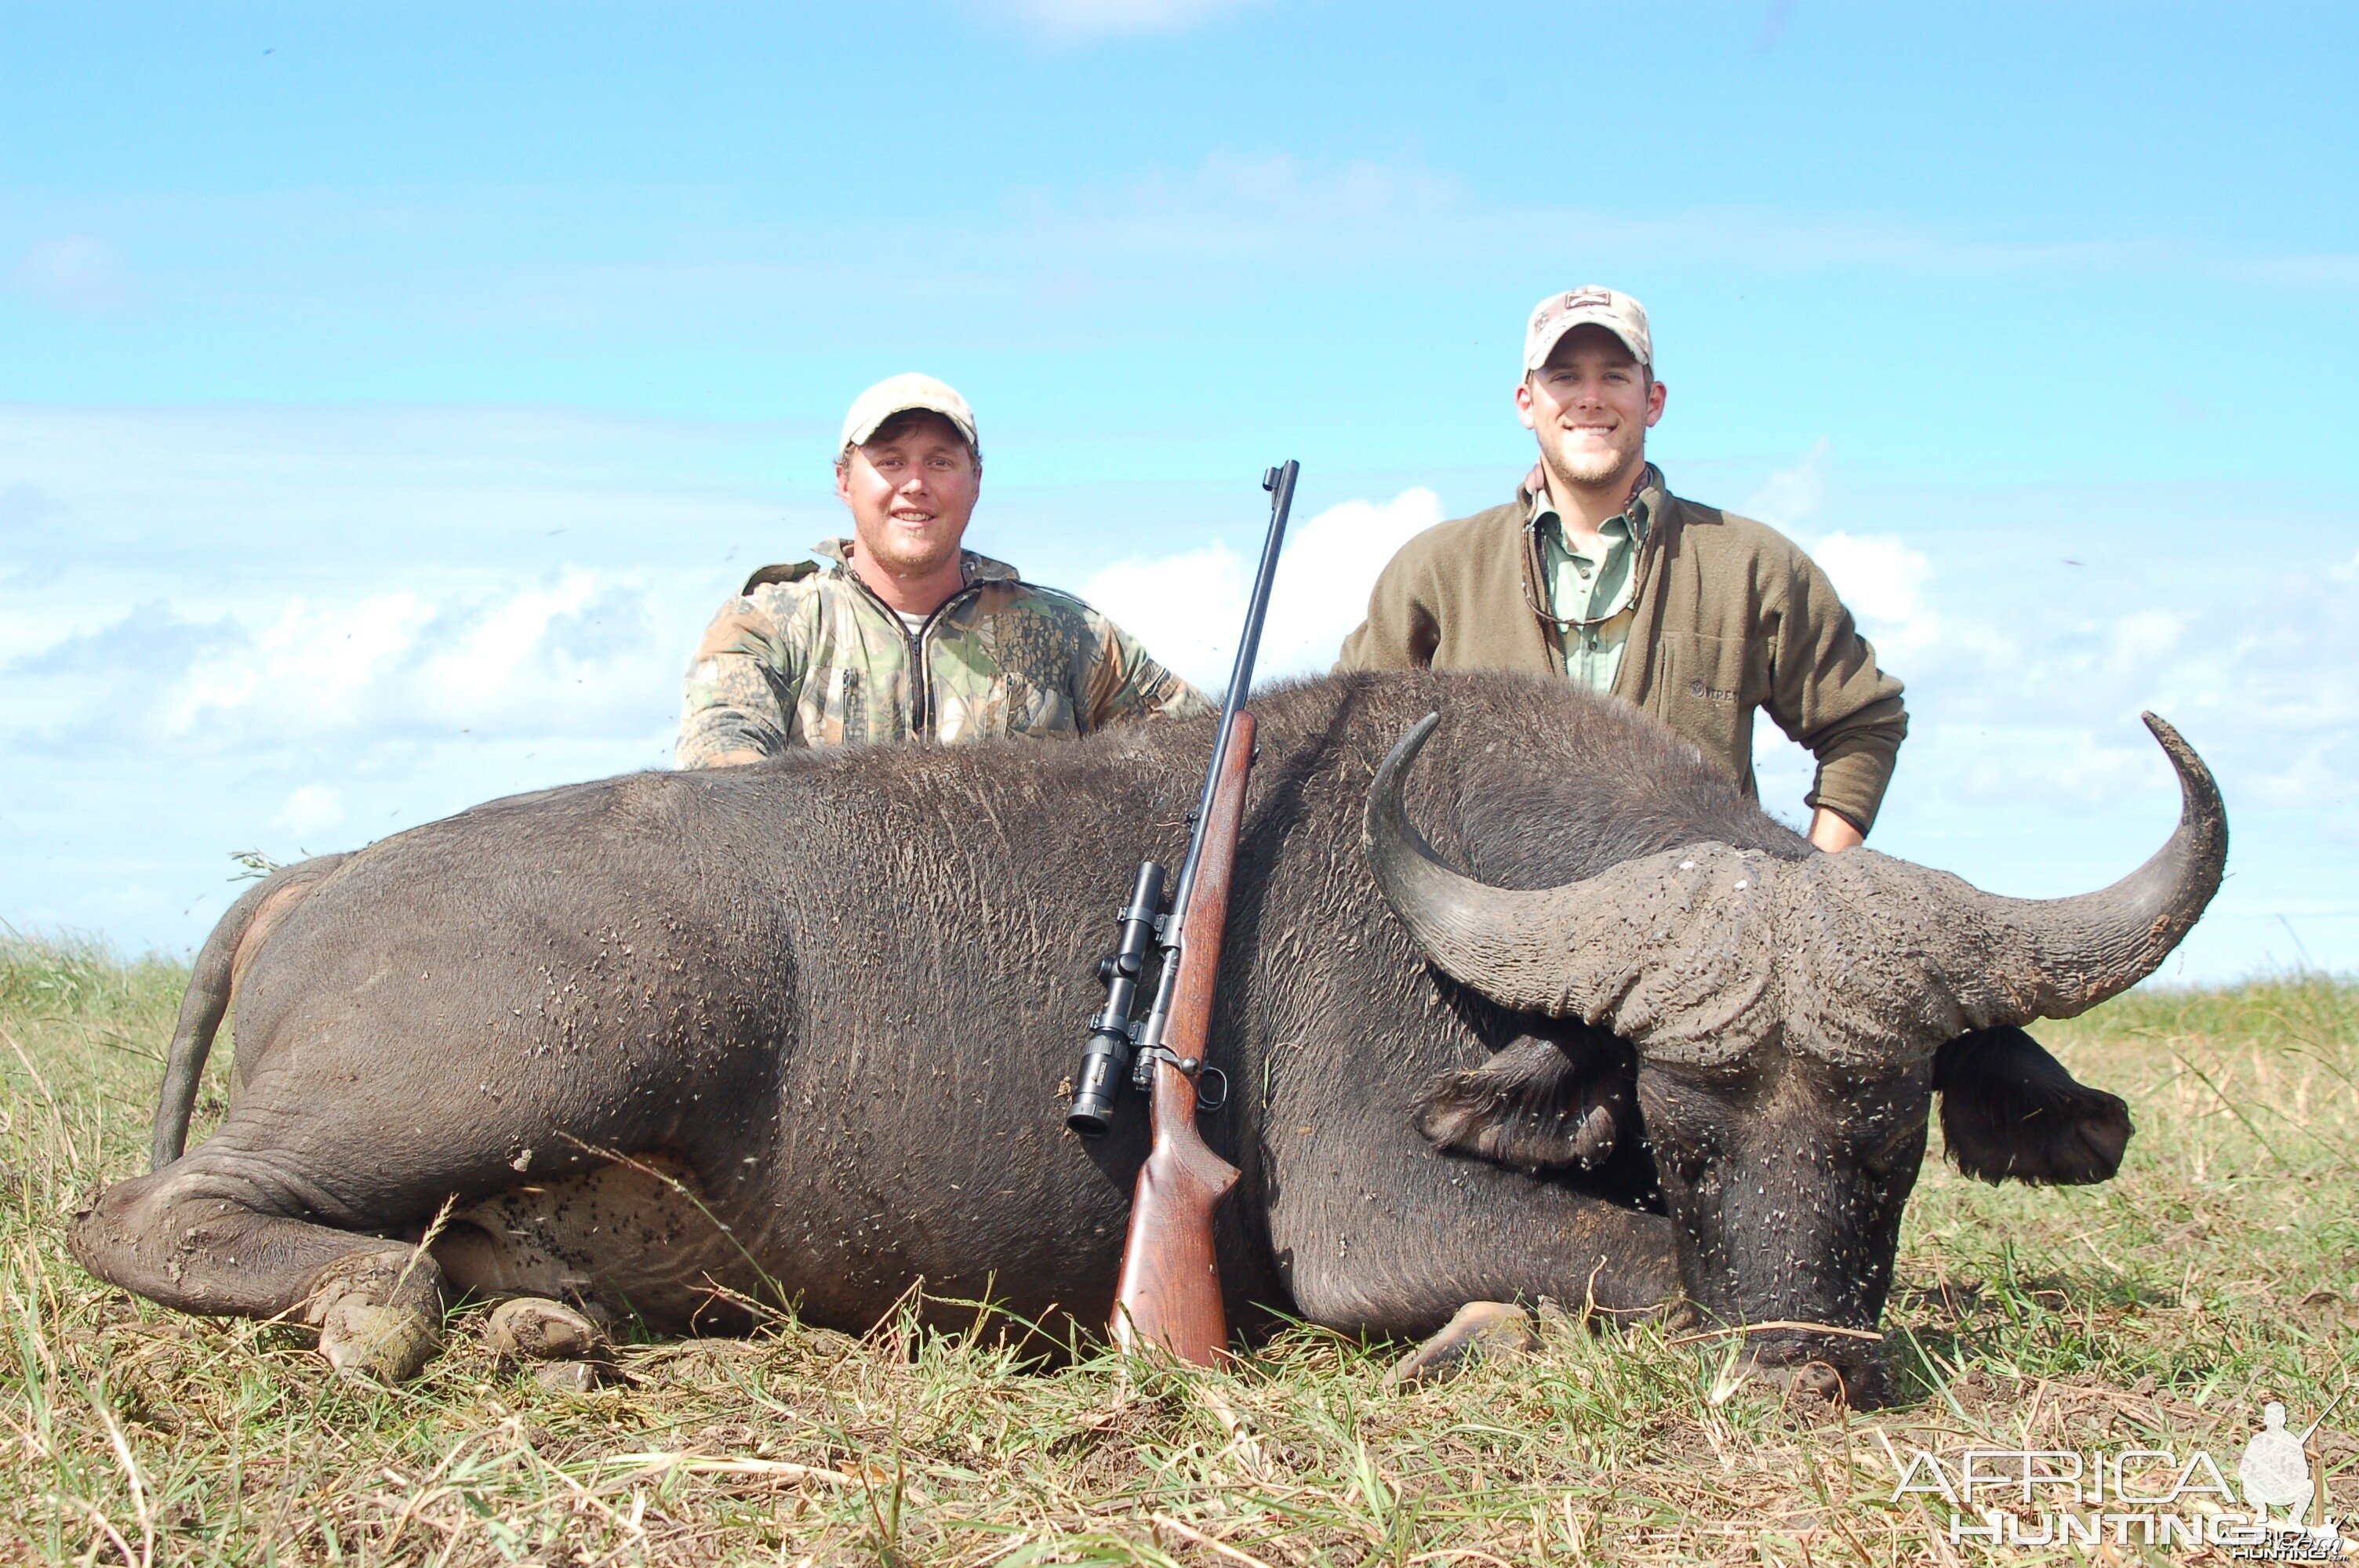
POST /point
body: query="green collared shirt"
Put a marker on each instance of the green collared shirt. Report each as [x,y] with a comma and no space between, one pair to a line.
[1583,587]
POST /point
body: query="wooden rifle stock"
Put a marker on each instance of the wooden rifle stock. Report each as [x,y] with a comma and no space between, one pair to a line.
[1169,1296]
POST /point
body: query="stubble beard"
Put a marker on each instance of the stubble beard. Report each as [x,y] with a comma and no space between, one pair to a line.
[895,552]
[1590,468]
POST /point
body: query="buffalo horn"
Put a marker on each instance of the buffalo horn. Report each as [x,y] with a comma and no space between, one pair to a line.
[1672,951]
[1703,953]
[2012,960]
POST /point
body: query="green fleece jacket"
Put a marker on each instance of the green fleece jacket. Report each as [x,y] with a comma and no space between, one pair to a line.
[1731,616]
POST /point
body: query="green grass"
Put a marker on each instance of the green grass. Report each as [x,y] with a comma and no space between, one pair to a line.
[2220,1269]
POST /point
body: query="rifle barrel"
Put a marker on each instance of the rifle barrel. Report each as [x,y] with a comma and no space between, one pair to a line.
[1280,482]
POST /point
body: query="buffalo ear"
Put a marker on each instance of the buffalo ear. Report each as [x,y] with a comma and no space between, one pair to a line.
[1536,1105]
[2011,1112]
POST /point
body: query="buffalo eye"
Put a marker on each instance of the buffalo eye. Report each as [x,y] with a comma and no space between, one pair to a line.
[1897,1148]
[1687,1157]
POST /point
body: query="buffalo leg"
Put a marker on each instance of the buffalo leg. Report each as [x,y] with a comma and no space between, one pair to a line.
[204,1239]
[1393,1268]
[1481,1330]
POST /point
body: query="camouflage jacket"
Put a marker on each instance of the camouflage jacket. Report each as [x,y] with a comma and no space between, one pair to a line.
[810,656]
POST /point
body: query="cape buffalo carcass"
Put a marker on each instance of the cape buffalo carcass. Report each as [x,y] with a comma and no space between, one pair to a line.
[806,1027]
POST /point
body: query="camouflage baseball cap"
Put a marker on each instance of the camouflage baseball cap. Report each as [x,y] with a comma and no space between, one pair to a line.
[1590,304]
[899,394]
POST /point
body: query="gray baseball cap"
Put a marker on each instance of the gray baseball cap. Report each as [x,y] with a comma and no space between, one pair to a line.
[899,394]
[1590,304]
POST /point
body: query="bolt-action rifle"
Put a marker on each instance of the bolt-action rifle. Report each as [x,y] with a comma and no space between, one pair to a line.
[1170,1294]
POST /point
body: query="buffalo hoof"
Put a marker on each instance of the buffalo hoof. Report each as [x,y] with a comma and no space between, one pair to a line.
[392,1344]
[1480,1331]
[569,1377]
[380,1315]
[533,1328]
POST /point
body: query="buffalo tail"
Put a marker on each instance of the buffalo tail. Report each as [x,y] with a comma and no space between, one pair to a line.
[212,985]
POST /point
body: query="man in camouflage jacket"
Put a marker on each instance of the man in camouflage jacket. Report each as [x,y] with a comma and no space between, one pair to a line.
[906,636]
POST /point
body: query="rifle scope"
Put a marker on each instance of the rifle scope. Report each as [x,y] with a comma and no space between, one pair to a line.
[1113,1053]
[1105,1062]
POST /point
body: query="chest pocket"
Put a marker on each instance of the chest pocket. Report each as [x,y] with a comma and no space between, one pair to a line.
[1707,691]
[833,710]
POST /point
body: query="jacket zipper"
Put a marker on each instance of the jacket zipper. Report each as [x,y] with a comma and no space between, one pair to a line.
[921,685]
[922,688]
[921,699]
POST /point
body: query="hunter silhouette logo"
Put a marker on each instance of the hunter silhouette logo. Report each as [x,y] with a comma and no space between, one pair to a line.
[2275,1470]
[2143,1496]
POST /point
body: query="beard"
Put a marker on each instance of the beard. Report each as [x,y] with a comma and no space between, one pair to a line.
[905,553]
[907,558]
[1587,466]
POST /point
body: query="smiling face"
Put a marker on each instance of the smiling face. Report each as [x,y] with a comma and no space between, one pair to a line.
[1591,405]
[911,490]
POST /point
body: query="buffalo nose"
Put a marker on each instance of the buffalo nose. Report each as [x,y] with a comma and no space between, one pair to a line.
[1835,1375]
[1818,1378]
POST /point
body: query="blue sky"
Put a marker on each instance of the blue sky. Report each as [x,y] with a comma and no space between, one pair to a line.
[388,394]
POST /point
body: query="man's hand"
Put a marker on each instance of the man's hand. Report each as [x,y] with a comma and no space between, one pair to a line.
[1833,834]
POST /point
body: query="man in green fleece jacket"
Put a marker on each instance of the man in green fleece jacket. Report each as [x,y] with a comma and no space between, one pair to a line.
[1597,573]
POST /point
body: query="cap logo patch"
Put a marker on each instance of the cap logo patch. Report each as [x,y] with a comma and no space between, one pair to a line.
[1591,303]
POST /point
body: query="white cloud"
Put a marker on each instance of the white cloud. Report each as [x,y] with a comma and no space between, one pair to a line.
[307,669]
[2323,270]
[284,584]
[1283,212]
[1060,262]
[2030,687]
[1068,259]
[1189,608]
[1792,496]
[581,652]
[311,809]
[1881,579]
[1235,208]
[2140,640]
[237,622]
[1185,608]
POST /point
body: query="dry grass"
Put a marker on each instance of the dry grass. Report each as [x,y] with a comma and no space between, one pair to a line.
[2221,1268]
